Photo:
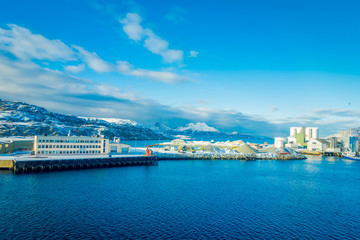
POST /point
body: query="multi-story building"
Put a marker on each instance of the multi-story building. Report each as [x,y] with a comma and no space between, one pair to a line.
[67,145]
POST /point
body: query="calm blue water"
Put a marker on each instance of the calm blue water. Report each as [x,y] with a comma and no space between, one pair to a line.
[314,199]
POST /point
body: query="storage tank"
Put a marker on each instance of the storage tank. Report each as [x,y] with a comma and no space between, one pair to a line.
[300,130]
[293,132]
[280,142]
[315,132]
[308,133]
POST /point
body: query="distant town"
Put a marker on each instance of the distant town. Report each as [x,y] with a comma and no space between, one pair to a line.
[306,140]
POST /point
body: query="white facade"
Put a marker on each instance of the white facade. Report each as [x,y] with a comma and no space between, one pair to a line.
[74,145]
[279,142]
[116,147]
[317,145]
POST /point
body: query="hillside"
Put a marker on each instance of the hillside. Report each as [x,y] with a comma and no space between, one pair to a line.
[22,119]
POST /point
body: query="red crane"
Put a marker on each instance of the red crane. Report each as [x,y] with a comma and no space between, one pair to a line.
[149,152]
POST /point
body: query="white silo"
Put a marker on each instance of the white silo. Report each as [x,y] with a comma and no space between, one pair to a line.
[301,130]
[280,142]
[308,133]
[293,132]
[315,132]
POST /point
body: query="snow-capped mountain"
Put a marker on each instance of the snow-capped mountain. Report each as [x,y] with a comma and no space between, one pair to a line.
[22,119]
[198,130]
[197,127]
[160,127]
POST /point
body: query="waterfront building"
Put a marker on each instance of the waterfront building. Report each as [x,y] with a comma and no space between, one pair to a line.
[15,144]
[318,145]
[74,145]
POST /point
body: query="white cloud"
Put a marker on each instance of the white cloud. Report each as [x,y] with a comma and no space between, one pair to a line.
[26,46]
[132,27]
[171,55]
[75,68]
[155,44]
[93,60]
[193,54]
[163,76]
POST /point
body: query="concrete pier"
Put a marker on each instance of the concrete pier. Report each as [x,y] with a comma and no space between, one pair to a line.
[37,164]
[22,165]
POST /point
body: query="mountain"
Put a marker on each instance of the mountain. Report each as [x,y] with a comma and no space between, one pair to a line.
[198,131]
[346,133]
[197,127]
[22,119]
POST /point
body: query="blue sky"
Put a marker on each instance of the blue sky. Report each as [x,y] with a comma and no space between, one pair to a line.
[255,67]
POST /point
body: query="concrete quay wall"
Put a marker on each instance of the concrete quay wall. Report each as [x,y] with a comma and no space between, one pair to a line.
[23,166]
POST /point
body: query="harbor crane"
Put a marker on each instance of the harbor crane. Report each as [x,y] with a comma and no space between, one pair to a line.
[149,152]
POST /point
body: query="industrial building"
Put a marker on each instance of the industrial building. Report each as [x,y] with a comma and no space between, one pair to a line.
[317,145]
[15,144]
[74,145]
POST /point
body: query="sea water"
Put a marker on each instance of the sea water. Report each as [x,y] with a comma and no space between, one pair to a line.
[317,198]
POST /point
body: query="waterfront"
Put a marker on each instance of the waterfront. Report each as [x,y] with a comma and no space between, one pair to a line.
[313,198]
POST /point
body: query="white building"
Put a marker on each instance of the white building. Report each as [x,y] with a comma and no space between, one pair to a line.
[279,142]
[309,132]
[316,144]
[74,145]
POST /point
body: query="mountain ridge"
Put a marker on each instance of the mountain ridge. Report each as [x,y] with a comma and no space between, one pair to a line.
[23,119]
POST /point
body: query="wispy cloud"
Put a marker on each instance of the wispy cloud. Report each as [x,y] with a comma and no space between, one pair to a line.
[26,46]
[75,68]
[164,76]
[155,44]
[93,61]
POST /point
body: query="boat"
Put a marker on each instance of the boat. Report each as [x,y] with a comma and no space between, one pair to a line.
[351,156]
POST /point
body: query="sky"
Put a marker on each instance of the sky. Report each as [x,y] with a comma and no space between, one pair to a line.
[255,67]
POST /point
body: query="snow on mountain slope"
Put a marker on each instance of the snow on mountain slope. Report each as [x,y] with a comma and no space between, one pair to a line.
[197,127]
[22,119]
[116,121]
[160,127]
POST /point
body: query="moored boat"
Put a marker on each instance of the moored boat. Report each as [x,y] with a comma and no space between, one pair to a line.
[351,156]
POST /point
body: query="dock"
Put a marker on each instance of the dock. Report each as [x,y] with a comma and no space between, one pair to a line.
[323,153]
[37,164]
[28,163]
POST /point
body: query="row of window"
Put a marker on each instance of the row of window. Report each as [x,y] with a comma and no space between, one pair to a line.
[70,141]
[69,146]
[68,152]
